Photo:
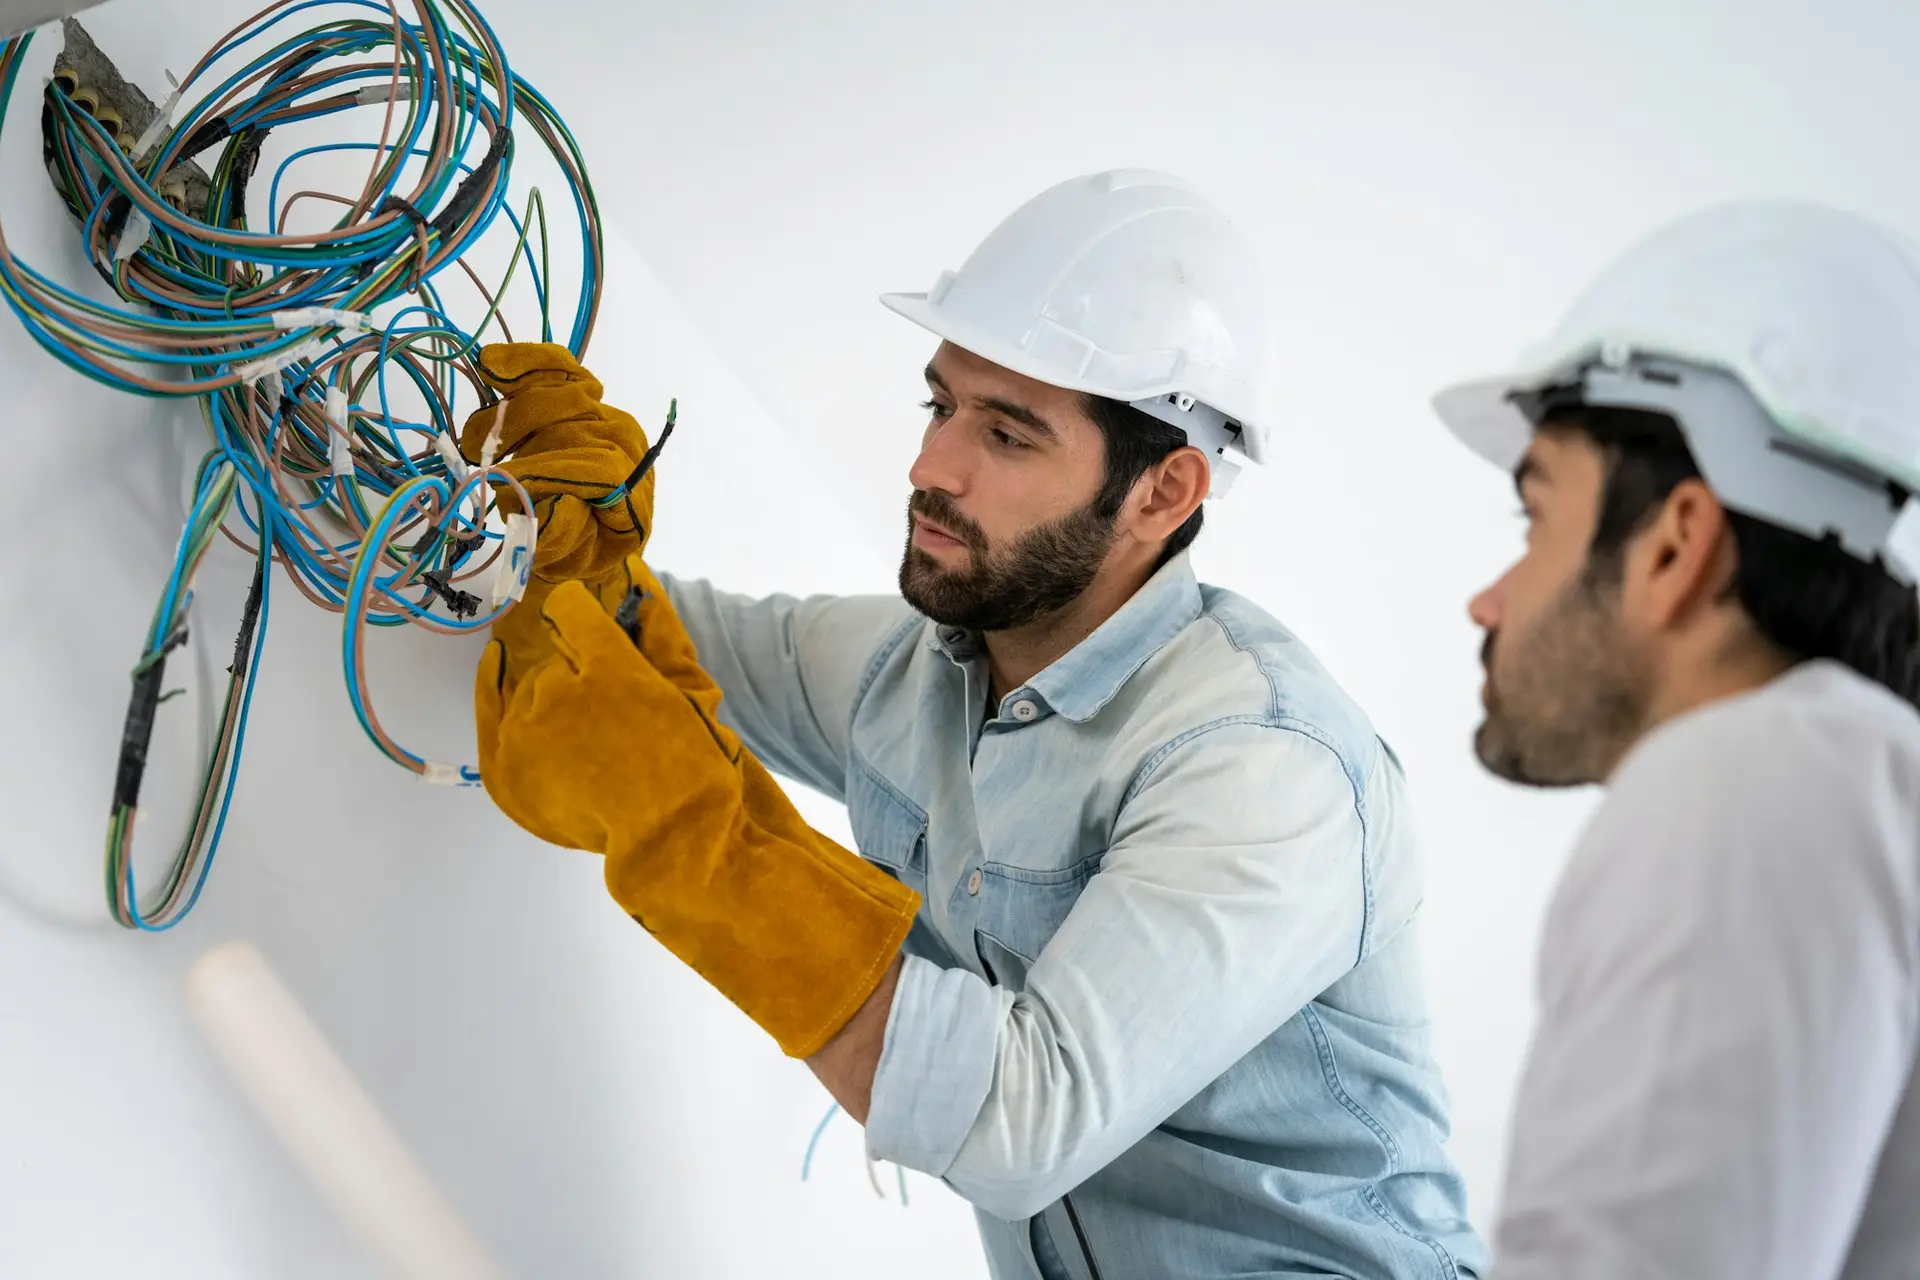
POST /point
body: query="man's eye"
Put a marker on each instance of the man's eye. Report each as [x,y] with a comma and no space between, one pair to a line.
[1009,440]
[935,408]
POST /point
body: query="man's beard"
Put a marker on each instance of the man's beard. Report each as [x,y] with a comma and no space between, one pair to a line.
[1040,573]
[1569,697]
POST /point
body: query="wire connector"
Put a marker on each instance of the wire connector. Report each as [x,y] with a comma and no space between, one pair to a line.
[450,454]
[349,322]
[374,93]
[256,369]
[435,773]
[515,565]
[340,438]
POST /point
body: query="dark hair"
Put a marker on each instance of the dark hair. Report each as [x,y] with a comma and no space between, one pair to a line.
[1807,596]
[1135,441]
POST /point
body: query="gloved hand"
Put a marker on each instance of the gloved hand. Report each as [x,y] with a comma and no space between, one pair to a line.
[573,453]
[597,749]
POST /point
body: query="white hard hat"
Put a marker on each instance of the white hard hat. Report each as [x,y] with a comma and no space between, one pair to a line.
[1784,338]
[1127,284]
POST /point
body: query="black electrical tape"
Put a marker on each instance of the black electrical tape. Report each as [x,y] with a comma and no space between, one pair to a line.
[212,131]
[463,603]
[647,459]
[465,545]
[119,205]
[246,159]
[249,617]
[137,736]
[381,472]
[113,221]
[468,193]
[393,204]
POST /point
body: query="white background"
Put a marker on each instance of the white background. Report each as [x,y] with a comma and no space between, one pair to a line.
[1430,182]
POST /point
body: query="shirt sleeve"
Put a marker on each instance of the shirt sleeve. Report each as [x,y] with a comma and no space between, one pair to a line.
[789,669]
[1231,896]
[1726,1023]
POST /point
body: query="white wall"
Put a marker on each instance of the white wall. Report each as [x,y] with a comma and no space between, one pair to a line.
[1432,182]
[590,1107]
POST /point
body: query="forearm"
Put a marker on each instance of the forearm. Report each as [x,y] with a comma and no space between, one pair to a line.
[1176,960]
[848,1063]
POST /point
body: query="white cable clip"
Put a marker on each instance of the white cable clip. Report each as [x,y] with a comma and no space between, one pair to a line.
[274,363]
[515,565]
[162,121]
[374,93]
[438,774]
[133,235]
[349,322]
[456,465]
[340,449]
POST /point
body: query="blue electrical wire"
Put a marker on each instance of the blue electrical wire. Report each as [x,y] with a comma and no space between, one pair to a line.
[370,518]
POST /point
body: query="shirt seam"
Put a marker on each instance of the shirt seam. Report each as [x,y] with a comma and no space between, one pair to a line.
[875,665]
[1359,807]
[1330,1076]
[1282,724]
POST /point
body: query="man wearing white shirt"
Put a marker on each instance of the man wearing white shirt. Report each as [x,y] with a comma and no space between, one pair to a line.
[1712,454]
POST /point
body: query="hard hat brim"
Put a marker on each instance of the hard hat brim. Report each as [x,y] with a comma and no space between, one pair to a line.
[1482,415]
[951,328]
[955,329]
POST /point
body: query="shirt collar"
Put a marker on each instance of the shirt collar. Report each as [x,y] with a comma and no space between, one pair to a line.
[1088,676]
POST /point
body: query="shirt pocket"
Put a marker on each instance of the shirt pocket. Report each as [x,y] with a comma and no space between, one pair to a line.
[889,830]
[1020,911]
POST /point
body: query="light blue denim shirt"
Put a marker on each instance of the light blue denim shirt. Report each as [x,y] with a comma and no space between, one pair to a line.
[1162,1012]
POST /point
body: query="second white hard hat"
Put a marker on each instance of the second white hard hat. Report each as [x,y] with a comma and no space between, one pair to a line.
[1783,337]
[1126,284]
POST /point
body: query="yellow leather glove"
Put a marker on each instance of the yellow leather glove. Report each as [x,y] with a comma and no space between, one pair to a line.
[595,748]
[573,453]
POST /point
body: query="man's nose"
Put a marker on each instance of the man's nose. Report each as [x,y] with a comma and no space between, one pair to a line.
[1485,608]
[942,463]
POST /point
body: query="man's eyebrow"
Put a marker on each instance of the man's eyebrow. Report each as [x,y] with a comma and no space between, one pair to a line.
[1005,408]
[1022,415]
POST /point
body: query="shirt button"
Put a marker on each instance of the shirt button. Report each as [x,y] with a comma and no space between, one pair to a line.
[1024,711]
[973,884]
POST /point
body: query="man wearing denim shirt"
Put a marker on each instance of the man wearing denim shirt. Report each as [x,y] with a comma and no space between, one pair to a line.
[1161,1011]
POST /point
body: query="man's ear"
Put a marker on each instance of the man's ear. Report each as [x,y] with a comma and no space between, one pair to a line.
[1683,560]
[1170,491]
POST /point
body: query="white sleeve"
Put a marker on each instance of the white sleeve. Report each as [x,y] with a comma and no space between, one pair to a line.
[1727,1019]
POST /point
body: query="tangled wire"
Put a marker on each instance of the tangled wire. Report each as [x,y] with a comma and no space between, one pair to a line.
[329,367]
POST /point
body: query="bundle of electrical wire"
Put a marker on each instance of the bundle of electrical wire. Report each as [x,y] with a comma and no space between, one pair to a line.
[299,346]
